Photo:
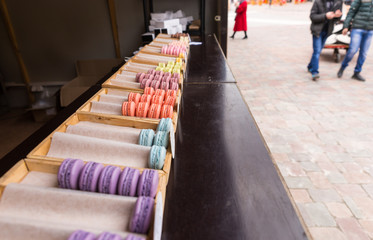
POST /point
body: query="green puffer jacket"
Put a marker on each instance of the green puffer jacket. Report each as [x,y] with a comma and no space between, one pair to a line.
[361,15]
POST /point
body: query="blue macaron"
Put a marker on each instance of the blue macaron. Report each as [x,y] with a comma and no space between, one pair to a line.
[164,124]
[146,137]
[161,139]
[157,157]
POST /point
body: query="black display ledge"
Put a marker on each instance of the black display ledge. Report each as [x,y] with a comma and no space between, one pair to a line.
[208,64]
[223,184]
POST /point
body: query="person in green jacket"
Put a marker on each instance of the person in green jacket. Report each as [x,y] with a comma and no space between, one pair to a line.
[361,16]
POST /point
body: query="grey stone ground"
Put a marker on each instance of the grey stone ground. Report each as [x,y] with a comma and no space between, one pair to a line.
[320,134]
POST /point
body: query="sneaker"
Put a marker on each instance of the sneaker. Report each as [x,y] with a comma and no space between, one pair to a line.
[315,76]
[340,72]
[358,77]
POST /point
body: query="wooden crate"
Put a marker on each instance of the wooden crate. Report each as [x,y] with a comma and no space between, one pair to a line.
[41,150]
[86,109]
[20,170]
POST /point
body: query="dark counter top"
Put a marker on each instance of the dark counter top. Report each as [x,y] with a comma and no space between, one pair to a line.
[223,184]
[208,64]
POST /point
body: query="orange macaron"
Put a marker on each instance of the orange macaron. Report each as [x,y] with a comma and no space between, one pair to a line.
[160,92]
[142,109]
[154,111]
[146,98]
[167,111]
[170,93]
[149,91]
[134,97]
[157,99]
[170,101]
[128,109]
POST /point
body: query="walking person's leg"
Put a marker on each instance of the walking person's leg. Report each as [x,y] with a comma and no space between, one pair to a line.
[317,44]
[245,37]
[352,49]
[366,39]
[233,34]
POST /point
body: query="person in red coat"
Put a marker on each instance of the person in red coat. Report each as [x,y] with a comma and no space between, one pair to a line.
[240,23]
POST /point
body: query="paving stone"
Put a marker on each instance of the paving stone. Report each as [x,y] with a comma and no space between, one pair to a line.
[352,229]
[316,215]
[319,180]
[350,190]
[310,167]
[357,177]
[336,177]
[322,233]
[366,205]
[324,195]
[300,195]
[369,189]
[298,182]
[339,210]
[358,213]
[367,225]
[291,169]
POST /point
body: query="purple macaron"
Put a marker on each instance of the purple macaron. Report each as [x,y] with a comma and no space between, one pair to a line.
[148,183]
[89,176]
[108,180]
[128,181]
[134,237]
[69,172]
[141,215]
[109,236]
[81,235]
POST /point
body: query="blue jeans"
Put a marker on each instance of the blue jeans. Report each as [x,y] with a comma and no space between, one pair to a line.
[317,44]
[359,39]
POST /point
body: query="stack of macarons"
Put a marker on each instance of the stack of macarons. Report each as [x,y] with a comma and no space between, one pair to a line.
[159,79]
[174,49]
[180,35]
[171,66]
[148,137]
[152,104]
[95,177]
[84,235]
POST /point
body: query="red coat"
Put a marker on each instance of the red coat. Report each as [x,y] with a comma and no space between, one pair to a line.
[240,20]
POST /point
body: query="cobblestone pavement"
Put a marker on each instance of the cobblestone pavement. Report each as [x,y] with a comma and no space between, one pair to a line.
[320,134]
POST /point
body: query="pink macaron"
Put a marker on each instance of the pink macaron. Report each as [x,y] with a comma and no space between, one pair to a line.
[155,84]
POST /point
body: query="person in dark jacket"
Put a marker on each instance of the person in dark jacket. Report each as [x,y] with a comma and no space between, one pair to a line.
[324,13]
[361,16]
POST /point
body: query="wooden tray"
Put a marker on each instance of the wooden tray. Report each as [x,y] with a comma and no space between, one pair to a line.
[41,150]
[86,109]
[146,58]
[108,83]
[20,170]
